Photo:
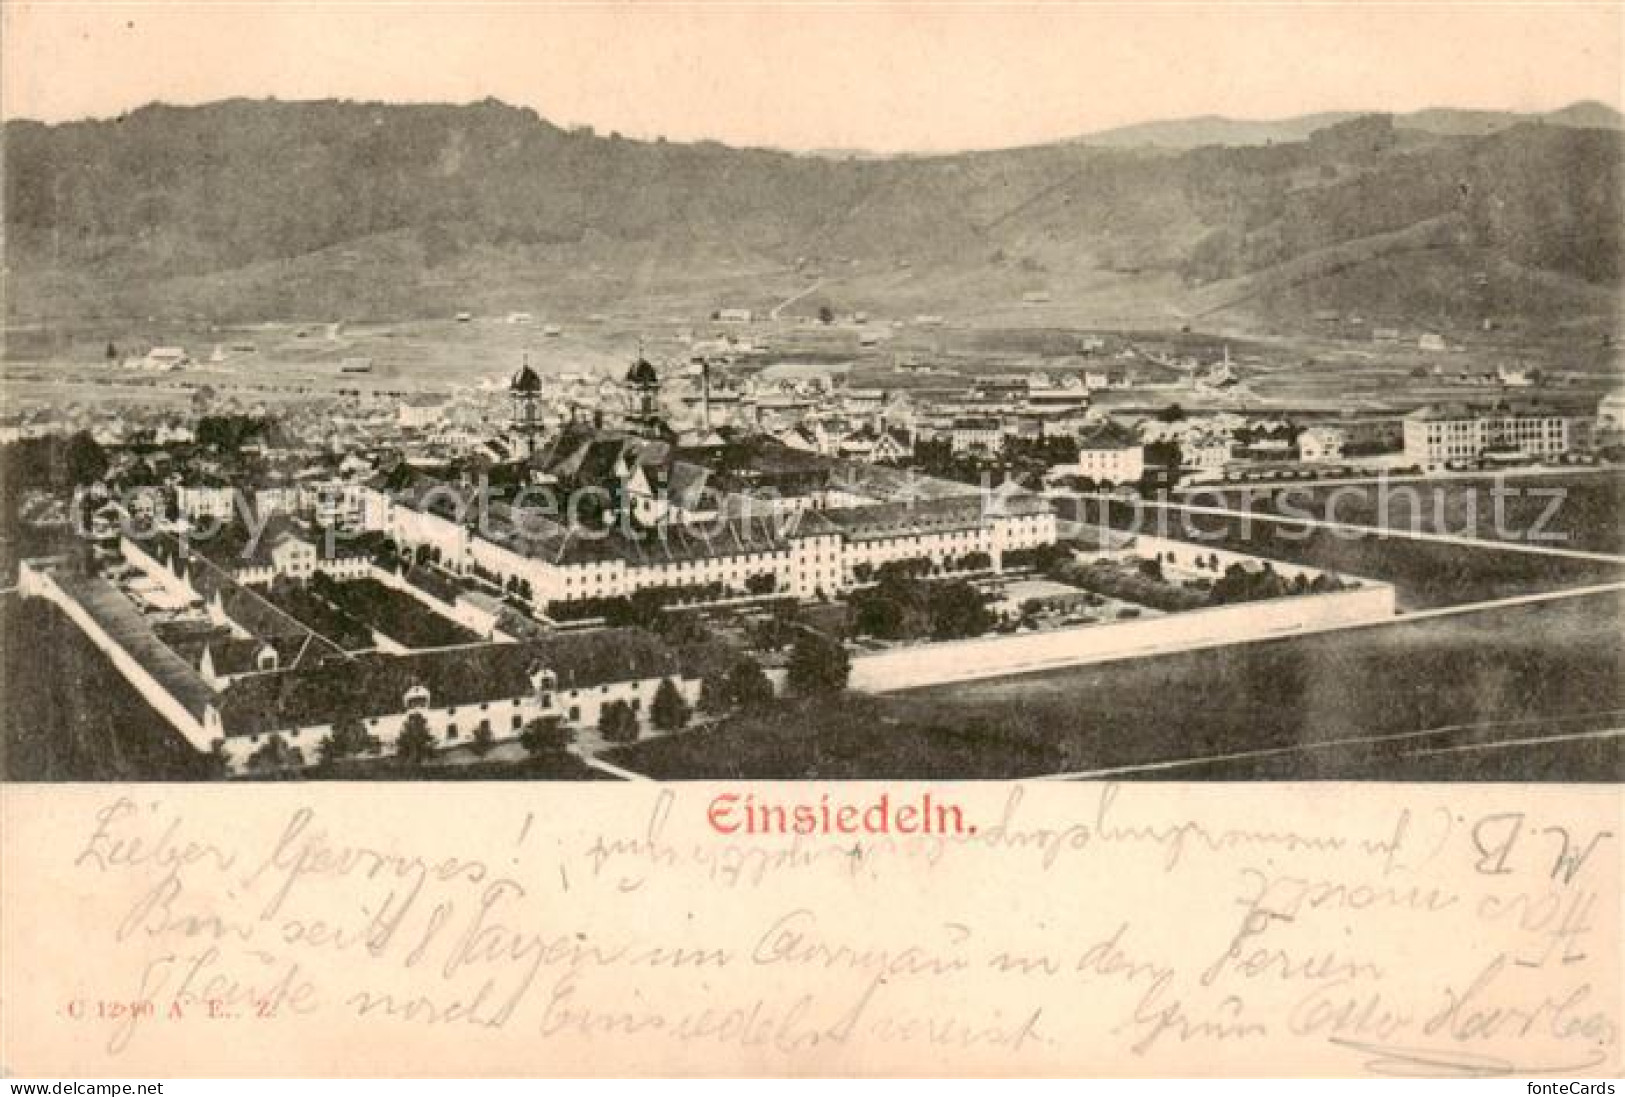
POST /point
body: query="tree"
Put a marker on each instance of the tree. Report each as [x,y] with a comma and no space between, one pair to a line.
[1152,569]
[545,735]
[219,761]
[826,315]
[483,739]
[668,712]
[85,459]
[617,723]
[748,685]
[716,696]
[112,352]
[819,666]
[415,744]
[877,614]
[762,583]
[276,753]
[957,610]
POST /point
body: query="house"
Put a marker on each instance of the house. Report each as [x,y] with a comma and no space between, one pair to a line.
[278,500]
[877,443]
[173,434]
[1320,443]
[292,555]
[976,434]
[892,444]
[1430,341]
[418,412]
[166,358]
[1205,453]
[211,502]
[1611,411]
[734,316]
[1107,453]
[1515,377]
[339,504]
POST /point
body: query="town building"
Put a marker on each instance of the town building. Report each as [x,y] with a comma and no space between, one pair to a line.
[1107,453]
[976,434]
[1440,435]
[572,677]
[419,412]
[1611,412]
[1320,443]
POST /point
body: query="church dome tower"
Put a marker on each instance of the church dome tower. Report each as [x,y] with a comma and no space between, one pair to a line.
[525,398]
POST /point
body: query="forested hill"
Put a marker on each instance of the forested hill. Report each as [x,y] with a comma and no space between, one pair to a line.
[245,209]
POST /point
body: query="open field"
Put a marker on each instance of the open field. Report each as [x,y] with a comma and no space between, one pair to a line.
[1359,704]
[1582,510]
[1424,574]
[854,737]
[1316,374]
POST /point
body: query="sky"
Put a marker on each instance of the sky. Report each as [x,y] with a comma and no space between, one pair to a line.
[876,76]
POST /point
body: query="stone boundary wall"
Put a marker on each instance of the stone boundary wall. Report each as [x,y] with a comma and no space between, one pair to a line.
[994,657]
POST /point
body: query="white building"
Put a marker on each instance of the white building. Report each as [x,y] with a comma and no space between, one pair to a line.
[572,678]
[292,555]
[418,412]
[205,502]
[166,358]
[1107,453]
[805,551]
[1611,411]
[976,434]
[1320,443]
[1440,435]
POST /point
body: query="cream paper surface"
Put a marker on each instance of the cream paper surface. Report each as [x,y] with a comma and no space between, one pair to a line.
[521,929]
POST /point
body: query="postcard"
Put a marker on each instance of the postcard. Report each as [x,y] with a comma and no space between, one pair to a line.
[825,540]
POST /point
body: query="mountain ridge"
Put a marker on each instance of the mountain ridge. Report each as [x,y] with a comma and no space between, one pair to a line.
[264,208]
[1215,129]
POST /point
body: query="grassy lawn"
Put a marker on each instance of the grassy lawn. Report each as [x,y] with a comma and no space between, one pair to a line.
[1524,672]
[396,614]
[320,617]
[851,737]
[1586,515]
[1424,573]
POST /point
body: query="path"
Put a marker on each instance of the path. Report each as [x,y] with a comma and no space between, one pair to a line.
[773,313]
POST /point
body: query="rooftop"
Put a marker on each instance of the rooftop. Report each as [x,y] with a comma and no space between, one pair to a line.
[373,685]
